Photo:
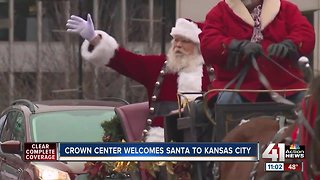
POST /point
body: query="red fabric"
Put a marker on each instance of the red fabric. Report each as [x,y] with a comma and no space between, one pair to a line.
[200,25]
[222,25]
[145,69]
[157,121]
[310,112]
[294,134]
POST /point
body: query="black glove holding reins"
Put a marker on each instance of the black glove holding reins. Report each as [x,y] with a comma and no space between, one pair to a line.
[283,49]
[242,49]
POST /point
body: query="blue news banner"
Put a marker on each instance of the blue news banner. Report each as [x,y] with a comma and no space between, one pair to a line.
[158,151]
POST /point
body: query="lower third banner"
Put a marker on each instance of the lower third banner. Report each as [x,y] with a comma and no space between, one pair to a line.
[158,151]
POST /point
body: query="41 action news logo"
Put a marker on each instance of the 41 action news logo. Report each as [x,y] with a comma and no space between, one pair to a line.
[280,152]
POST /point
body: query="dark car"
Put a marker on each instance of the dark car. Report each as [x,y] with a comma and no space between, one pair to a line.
[50,121]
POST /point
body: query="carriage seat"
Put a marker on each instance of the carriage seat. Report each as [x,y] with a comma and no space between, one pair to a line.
[133,119]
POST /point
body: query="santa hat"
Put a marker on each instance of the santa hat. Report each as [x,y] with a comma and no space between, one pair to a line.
[187,29]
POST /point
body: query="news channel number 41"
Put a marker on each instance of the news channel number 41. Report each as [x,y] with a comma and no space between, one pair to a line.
[279,152]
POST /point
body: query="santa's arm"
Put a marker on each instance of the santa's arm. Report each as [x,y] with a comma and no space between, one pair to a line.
[101,49]
[106,52]
[104,49]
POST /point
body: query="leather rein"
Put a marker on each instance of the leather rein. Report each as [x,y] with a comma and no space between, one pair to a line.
[282,120]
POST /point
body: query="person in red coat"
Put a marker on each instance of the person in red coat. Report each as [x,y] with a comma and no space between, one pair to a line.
[181,70]
[272,31]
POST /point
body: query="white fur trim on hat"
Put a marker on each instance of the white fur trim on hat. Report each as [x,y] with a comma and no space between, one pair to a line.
[103,52]
[155,134]
[186,29]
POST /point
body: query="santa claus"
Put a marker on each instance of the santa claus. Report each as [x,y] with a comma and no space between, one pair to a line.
[181,70]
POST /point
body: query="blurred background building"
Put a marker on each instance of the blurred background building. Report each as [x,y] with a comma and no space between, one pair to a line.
[39,60]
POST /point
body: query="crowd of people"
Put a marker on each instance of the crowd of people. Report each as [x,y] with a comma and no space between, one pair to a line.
[251,44]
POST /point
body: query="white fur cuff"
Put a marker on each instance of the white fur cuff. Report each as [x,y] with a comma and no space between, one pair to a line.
[103,52]
[155,134]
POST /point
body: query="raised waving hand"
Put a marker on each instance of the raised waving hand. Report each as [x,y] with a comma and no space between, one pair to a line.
[84,28]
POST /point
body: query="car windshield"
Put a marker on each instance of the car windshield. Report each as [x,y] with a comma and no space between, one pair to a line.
[69,126]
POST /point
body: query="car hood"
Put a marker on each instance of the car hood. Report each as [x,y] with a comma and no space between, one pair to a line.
[70,167]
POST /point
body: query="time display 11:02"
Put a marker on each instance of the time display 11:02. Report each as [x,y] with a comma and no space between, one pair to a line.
[274,166]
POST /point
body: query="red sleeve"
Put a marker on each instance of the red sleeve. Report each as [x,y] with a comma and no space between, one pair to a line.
[301,32]
[309,109]
[213,39]
[141,68]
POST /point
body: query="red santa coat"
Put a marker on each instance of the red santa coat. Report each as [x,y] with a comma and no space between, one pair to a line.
[280,20]
[144,69]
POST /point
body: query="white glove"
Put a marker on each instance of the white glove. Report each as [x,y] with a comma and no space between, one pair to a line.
[85,28]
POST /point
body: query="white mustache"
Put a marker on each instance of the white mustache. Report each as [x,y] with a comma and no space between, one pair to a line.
[180,51]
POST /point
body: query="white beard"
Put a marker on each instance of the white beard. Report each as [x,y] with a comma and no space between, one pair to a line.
[189,69]
[190,72]
[178,62]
